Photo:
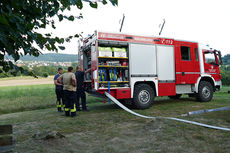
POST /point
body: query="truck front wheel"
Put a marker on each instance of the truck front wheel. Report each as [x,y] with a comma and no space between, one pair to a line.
[205,91]
[143,96]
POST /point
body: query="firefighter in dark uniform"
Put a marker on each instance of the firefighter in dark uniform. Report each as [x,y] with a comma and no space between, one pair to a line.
[69,87]
[59,91]
[80,88]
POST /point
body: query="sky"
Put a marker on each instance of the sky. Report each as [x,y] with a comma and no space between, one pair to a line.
[204,21]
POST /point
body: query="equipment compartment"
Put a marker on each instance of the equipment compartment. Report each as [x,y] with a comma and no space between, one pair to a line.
[113,68]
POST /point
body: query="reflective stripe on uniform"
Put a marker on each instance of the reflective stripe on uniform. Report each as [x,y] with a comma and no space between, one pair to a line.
[58,104]
[74,109]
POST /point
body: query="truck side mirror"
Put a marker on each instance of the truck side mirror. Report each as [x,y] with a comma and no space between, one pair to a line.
[218,54]
[220,58]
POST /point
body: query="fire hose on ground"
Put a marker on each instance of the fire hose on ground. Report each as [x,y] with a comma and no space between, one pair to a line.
[170,118]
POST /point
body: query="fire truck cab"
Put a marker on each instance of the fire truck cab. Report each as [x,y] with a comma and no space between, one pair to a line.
[143,67]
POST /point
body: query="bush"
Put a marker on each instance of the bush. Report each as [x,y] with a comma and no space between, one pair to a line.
[225,75]
[45,75]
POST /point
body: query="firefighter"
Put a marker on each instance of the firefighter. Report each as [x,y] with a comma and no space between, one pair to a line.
[80,92]
[59,91]
[69,87]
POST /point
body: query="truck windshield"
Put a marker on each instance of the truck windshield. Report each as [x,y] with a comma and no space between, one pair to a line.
[210,58]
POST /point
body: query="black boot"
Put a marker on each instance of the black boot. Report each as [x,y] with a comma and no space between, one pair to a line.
[59,109]
[73,114]
[66,113]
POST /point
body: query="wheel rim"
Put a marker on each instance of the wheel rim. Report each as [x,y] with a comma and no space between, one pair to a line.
[144,96]
[206,92]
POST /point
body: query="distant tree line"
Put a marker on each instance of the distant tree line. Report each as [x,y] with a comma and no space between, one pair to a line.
[51,57]
[41,71]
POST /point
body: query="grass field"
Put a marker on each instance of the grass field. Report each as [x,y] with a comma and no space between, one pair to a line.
[107,128]
[28,97]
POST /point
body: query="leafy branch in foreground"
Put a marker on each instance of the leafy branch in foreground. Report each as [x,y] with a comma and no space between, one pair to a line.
[20,21]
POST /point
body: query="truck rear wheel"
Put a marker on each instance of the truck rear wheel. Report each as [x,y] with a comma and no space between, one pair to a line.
[143,96]
[205,91]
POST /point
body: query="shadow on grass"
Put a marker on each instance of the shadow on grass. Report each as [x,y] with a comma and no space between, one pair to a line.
[101,106]
[158,102]
[175,101]
[23,109]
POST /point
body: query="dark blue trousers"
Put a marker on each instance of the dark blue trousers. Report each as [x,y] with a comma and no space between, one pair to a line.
[81,94]
[60,102]
[70,108]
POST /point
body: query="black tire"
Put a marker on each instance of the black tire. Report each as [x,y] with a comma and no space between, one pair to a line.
[177,96]
[205,92]
[143,96]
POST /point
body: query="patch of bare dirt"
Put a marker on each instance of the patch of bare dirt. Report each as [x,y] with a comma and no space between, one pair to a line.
[29,81]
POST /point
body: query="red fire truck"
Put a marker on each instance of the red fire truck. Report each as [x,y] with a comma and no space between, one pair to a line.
[143,67]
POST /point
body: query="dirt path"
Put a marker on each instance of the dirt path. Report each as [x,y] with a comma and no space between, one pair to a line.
[26,81]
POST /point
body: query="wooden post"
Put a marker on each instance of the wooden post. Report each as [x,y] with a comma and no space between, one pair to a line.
[6,139]
[6,129]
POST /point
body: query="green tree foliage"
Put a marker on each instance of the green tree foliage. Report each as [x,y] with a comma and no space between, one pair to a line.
[226,59]
[45,75]
[20,21]
[50,70]
[225,70]
[74,65]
